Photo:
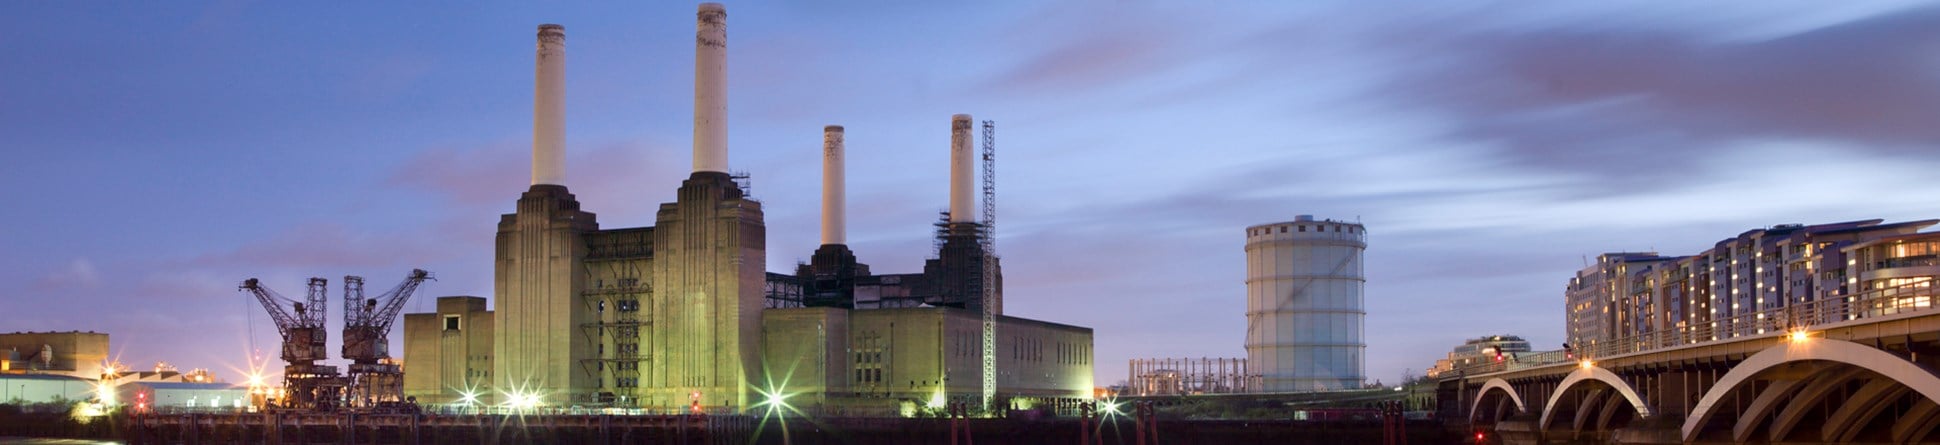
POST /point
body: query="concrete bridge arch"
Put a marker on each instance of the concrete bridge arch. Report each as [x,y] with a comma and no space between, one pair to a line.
[1587,374]
[1887,376]
[1495,384]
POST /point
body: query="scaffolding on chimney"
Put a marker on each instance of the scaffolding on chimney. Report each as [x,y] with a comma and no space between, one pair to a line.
[989,244]
[746,183]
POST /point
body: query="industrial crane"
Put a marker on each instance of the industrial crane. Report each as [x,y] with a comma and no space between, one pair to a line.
[375,383]
[306,384]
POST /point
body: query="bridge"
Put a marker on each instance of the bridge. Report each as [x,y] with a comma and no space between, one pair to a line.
[1845,370]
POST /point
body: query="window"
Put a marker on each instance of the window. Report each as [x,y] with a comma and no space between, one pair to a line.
[1303,228]
[451,322]
[1283,229]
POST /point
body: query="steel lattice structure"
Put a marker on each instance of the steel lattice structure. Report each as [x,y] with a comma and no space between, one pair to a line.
[306,385]
[989,241]
[367,331]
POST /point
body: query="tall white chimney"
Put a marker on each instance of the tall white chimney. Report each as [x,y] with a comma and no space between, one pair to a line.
[710,90]
[549,108]
[962,171]
[834,187]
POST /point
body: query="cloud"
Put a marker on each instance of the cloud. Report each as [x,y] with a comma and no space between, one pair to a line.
[608,177]
[329,245]
[75,275]
[468,176]
[1618,103]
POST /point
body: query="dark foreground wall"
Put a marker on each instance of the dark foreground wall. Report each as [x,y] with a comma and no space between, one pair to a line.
[490,429]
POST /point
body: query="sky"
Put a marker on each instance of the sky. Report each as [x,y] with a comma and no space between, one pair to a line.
[155,155]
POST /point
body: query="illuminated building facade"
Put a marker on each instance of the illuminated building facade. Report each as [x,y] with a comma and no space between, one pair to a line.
[1629,296]
[878,361]
[1479,352]
[74,353]
[451,349]
[672,315]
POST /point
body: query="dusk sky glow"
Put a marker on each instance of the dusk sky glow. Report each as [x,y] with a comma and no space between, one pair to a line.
[158,154]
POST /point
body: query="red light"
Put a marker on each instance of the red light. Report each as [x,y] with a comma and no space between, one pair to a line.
[1478,436]
[1498,358]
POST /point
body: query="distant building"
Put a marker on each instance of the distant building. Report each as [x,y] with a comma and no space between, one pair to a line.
[1477,352]
[74,353]
[1189,376]
[42,388]
[179,396]
[176,388]
[1734,287]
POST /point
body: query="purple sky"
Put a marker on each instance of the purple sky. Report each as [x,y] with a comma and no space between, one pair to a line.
[156,155]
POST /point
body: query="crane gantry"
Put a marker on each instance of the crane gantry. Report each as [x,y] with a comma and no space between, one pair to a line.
[306,384]
[374,382]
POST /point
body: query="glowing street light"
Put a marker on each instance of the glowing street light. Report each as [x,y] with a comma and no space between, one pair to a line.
[1800,336]
[105,393]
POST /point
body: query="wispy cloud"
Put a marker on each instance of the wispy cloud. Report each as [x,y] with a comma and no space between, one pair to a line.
[76,274]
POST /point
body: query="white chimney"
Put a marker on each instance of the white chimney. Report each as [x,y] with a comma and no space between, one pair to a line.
[834,203]
[962,170]
[710,90]
[549,108]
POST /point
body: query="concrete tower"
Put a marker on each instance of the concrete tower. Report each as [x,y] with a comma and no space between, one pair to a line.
[1304,305]
[710,256]
[539,254]
[829,278]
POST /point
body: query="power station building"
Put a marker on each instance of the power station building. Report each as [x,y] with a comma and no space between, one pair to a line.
[682,313]
[1304,305]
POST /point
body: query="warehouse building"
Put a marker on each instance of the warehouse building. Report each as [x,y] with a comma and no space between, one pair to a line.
[74,353]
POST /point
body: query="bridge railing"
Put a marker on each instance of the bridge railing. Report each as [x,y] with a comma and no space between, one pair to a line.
[1917,294]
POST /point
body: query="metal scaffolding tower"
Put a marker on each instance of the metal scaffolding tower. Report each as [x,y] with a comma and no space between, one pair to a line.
[989,241]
